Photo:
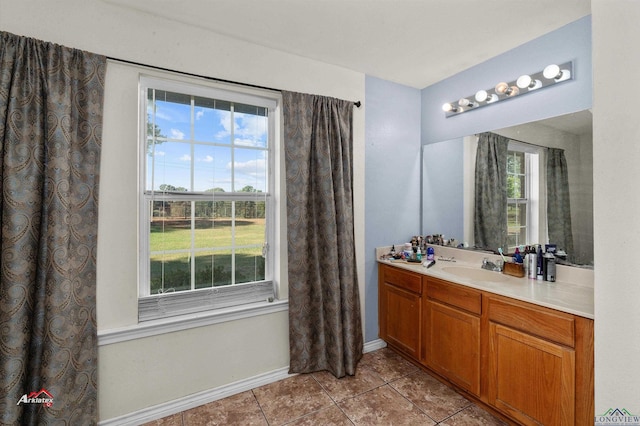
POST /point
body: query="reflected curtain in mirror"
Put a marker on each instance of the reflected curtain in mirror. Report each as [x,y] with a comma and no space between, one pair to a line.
[325,331]
[490,212]
[558,203]
[50,135]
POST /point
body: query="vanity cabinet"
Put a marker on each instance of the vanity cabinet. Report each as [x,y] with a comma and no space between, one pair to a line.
[400,309]
[451,337]
[533,364]
[540,363]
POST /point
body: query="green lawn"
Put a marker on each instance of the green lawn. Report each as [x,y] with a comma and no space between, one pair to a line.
[213,267]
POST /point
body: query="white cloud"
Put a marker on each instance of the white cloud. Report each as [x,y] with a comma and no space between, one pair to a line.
[250,130]
[176,134]
[159,153]
[207,159]
[252,167]
[199,114]
[185,157]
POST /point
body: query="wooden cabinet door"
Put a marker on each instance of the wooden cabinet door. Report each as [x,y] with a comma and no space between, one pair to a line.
[530,379]
[452,344]
[400,322]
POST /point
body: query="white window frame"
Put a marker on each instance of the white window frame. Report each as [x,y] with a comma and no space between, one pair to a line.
[153,307]
[532,189]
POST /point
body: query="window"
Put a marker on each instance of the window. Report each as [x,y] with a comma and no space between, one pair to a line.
[206,199]
[522,196]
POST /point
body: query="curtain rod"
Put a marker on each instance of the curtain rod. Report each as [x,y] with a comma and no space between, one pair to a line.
[221,80]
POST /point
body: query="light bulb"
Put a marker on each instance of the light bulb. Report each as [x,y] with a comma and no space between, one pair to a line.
[523,81]
[552,72]
[466,102]
[502,88]
[450,108]
[481,95]
[526,82]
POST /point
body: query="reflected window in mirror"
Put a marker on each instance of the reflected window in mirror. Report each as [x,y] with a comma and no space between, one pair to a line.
[523,184]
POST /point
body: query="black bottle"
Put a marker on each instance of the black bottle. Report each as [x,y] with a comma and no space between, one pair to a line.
[540,268]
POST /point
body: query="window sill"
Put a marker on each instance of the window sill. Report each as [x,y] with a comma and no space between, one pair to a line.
[185,322]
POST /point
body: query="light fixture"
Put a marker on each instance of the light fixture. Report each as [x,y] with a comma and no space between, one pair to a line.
[526,82]
[549,76]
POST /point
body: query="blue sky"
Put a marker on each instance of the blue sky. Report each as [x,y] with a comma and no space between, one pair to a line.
[211,156]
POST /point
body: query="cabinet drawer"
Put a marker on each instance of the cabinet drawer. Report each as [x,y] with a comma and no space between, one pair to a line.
[546,323]
[403,279]
[455,295]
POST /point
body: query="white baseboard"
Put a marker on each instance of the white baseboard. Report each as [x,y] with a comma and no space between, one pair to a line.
[374,345]
[195,400]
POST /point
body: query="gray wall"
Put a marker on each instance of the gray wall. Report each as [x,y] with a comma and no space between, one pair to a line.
[442,190]
[392,178]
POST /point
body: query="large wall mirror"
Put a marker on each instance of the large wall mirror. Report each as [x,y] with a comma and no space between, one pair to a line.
[448,183]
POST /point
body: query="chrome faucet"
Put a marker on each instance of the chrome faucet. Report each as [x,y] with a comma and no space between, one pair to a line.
[487,264]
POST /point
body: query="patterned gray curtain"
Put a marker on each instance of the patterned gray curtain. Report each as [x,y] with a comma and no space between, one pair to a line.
[50,134]
[490,218]
[325,331]
[558,204]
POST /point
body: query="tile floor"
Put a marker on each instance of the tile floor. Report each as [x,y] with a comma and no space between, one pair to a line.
[386,390]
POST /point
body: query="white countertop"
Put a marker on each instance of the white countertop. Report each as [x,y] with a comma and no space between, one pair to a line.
[566,296]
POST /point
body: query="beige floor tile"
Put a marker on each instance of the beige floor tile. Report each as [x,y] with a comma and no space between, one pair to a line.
[364,380]
[240,409]
[291,398]
[387,364]
[386,390]
[429,394]
[383,406]
[473,416]
[331,416]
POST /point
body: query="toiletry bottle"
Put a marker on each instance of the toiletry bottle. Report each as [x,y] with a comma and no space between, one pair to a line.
[407,250]
[517,256]
[430,253]
[419,254]
[549,267]
[532,265]
[539,267]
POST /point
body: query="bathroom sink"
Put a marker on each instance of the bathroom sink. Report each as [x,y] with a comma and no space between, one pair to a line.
[476,274]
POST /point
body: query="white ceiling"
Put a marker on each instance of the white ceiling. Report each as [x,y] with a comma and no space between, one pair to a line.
[411,42]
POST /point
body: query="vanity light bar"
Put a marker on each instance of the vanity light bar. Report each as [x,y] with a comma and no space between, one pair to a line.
[550,76]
